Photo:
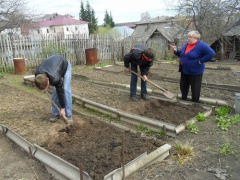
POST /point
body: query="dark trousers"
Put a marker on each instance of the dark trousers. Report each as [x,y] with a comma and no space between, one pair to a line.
[195,81]
[133,83]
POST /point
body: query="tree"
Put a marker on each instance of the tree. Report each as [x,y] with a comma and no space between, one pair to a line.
[82,13]
[145,16]
[108,20]
[88,14]
[14,14]
[210,17]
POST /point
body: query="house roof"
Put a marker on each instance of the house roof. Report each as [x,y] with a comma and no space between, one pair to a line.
[59,21]
[168,29]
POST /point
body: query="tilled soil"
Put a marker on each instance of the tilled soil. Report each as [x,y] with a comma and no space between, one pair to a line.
[26,111]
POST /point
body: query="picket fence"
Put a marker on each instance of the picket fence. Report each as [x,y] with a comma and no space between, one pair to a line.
[35,48]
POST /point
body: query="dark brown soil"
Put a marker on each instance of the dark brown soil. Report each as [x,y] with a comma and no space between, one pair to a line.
[98,146]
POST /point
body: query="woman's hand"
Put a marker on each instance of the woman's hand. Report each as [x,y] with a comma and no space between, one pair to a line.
[174,48]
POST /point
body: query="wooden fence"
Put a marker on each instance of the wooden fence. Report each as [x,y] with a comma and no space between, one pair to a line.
[35,48]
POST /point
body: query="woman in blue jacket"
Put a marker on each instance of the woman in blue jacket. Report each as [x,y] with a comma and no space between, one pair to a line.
[193,56]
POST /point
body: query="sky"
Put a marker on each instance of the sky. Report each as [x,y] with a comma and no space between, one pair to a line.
[121,10]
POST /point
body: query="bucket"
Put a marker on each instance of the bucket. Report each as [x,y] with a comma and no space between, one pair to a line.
[237,103]
[91,56]
[19,65]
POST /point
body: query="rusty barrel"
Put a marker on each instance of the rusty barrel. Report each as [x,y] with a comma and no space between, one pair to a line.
[91,56]
[19,65]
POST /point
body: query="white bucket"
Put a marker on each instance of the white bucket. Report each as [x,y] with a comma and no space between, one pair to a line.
[237,103]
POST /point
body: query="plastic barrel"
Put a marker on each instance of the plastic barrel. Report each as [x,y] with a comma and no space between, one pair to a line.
[19,65]
[91,56]
[237,103]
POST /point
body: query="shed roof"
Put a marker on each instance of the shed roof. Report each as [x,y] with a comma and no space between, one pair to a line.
[168,29]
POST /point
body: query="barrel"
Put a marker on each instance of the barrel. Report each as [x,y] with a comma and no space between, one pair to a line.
[237,103]
[19,65]
[91,56]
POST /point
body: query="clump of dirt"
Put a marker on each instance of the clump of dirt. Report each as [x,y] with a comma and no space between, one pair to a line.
[98,146]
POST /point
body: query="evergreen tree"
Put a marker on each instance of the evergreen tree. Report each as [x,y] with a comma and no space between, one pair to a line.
[108,20]
[94,21]
[88,14]
[82,13]
[111,22]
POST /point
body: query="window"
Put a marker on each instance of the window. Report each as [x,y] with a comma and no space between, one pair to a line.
[76,28]
[47,31]
[38,31]
[67,28]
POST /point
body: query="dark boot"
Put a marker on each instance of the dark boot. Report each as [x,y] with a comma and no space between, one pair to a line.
[134,99]
[145,96]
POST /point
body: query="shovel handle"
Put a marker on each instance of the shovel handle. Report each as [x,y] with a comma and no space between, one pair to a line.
[56,106]
[148,80]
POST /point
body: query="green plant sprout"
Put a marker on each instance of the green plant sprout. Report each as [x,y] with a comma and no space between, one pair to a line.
[193,128]
[200,117]
[141,128]
[227,149]
[161,132]
[224,123]
[148,131]
[223,111]
[235,119]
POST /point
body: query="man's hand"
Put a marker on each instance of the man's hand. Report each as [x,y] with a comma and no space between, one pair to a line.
[145,78]
[127,70]
[62,112]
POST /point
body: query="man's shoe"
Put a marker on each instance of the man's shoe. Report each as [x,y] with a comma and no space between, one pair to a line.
[54,118]
[134,99]
[69,120]
[145,96]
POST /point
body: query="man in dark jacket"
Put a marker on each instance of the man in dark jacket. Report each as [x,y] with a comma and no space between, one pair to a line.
[57,72]
[141,56]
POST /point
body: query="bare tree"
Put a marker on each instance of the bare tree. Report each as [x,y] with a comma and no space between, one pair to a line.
[210,17]
[14,14]
[145,16]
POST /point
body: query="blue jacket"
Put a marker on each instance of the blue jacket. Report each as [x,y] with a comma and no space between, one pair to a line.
[190,61]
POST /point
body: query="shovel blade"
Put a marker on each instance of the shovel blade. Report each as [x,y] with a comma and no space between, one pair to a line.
[169,95]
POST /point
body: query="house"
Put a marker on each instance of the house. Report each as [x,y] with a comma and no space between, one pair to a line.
[231,43]
[60,24]
[162,31]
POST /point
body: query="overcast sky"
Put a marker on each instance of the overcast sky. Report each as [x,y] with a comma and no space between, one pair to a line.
[122,10]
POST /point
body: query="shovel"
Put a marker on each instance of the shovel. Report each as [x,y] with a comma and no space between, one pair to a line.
[165,92]
[66,121]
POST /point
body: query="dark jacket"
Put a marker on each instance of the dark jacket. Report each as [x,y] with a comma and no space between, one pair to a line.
[55,68]
[136,56]
[190,62]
